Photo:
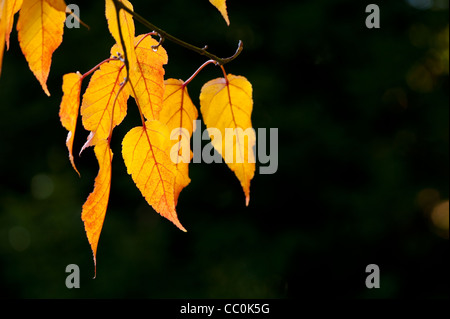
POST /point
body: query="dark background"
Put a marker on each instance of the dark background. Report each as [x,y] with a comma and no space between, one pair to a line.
[362,116]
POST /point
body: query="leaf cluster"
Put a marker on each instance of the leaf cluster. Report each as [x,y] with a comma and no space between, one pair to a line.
[157,152]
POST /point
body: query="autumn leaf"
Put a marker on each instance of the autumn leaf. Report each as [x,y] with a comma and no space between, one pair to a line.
[68,112]
[226,104]
[222,7]
[40,30]
[179,114]
[2,30]
[147,76]
[104,104]
[94,209]
[145,151]
[8,8]
[126,26]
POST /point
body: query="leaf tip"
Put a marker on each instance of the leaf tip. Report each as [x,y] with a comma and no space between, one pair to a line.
[74,167]
[178,224]
[222,7]
[46,90]
[95,268]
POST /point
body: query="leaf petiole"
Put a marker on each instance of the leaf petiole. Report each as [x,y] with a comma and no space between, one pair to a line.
[198,71]
[97,66]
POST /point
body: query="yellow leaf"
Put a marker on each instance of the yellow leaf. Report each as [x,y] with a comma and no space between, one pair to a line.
[104,103]
[94,209]
[145,152]
[147,76]
[222,7]
[68,112]
[178,110]
[226,104]
[8,8]
[179,114]
[40,30]
[127,27]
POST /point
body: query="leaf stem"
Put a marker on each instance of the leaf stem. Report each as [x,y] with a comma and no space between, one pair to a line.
[97,66]
[198,71]
[202,51]
[224,74]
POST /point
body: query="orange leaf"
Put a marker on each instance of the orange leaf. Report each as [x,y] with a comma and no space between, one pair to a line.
[226,104]
[40,30]
[10,8]
[2,30]
[179,114]
[147,76]
[104,102]
[68,112]
[127,27]
[94,209]
[145,152]
[222,7]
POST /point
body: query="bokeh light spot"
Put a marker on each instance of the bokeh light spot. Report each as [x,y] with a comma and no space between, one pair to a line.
[440,218]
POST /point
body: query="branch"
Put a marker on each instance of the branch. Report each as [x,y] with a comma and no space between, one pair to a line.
[163,34]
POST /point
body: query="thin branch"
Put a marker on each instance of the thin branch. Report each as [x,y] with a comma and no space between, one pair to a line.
[202,51]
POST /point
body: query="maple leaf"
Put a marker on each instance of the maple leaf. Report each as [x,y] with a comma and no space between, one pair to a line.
[69,107]
[8,8]
[147,76]
[94,209]
[145,151]
[179,114]
[222,7]
[226,104]
[104,104]
[40,31]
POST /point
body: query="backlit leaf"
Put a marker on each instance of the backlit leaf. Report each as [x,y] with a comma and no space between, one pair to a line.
[127,27]
[7,10]
[221,5]
[2,30]
[68,112]
[94,209]
[10,9]
[145,152]
[40,30]
[147,76]
[179,114]
[226,104]
[104,102]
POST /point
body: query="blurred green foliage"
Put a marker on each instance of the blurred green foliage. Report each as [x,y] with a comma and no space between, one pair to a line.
[363,125]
